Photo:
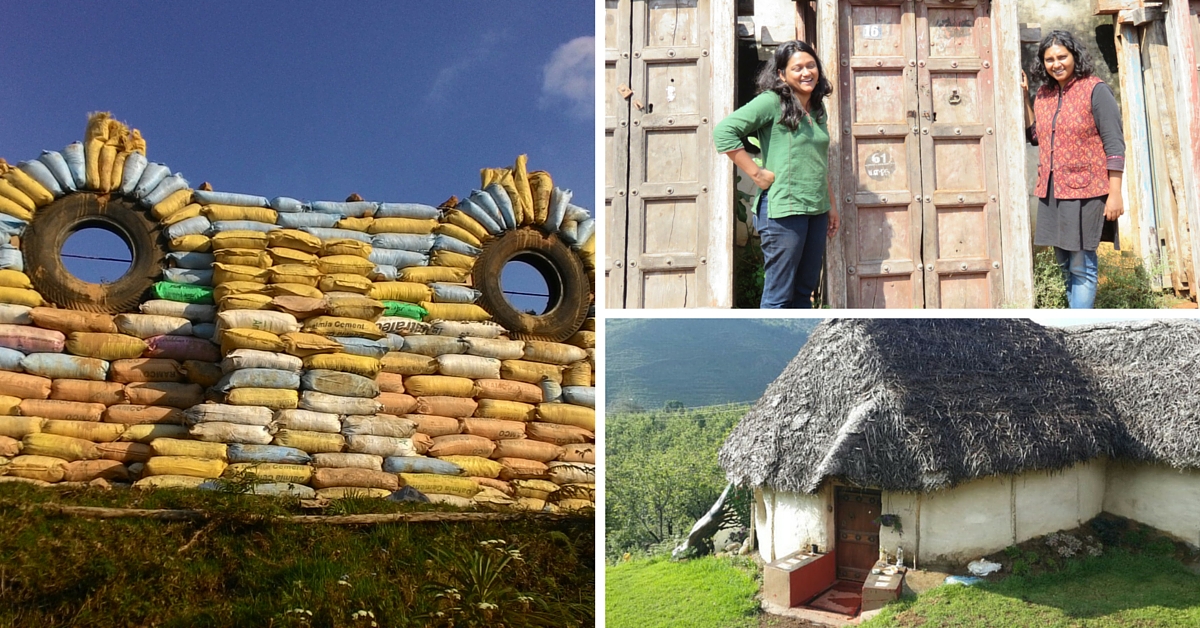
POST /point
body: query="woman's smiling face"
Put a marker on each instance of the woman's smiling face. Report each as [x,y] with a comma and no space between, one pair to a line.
[1060,63]
[801,74]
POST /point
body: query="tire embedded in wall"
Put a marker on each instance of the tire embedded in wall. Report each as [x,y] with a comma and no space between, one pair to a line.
[568,283]
[43,241]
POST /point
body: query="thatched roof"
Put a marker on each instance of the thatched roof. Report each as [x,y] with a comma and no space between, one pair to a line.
[923,404]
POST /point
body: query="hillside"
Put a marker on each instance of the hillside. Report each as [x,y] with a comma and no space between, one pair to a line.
[697,362]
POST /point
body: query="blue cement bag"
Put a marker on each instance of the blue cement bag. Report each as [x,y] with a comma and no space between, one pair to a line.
[58,166]
[559,198]
[287,205]
[243,225]
[11,258]
[485,201]
[454,293]
[189,276]
[504,204]
[481,216]
[362,346]
[151,177]
[352,209]
[584,233]
[196,225]
[207,331]
[406,210]
[384,272]
[258,378]
[335,234]
[306,219]
[443,242]
[165,188]
[568,231]
[11,225]
[73,155]
[40,173]
[420,464]
[551,390]
[579,395]
[577,213]
[210,197]
[395,342]
[408,494]
[238,452]
[419,242]
[135,165]
[10,360]
[63,366]
[191,259]
[398,258]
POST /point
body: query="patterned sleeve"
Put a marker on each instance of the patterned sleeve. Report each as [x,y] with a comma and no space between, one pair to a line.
[1107,114]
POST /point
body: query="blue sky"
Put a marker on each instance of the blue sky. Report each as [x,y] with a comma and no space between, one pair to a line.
[397,101]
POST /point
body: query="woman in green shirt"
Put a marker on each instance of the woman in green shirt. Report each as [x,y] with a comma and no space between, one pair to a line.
[793,212]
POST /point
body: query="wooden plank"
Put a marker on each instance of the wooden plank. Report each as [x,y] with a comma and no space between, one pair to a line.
[1139,189]
[1112,7]
[722,45]
[1183,35]
[1160,147]
[617,42]
[829,49]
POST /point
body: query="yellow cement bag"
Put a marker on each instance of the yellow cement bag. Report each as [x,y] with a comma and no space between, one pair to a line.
[91,431]
[553,352]
[345,362]
[244,302]
[452,260]
[177,202]
[189,211]
[439,385]
[458,233]
[15,279]
[274,322]
[310,442]
[68,321]
[108,156]
[295,273]
[20,296]
[273,398]
[88,470]
[282,255]
[294,239]
[508,410]
[441,484]
[353,306]
[9,447]
[408,363]
[271,472]
[341,326]
[295,290]
[521,469]
[346,246]
[11,192]
[587,253]
[406,291]
[12,208]
[508,390]
[490,495]
[524,198]
[468,224]
[255,258]
[240,240]
[347,461]
[34,190]
[169,482]
[583,340]
[236,212]
[303,344]
[58,446]
[355,224]
[572,473]
[184,465]
[229,273]
[238,287]
[361,478]
[37,467]
[348,264]
[578,374]
[189,448]
[343,282]
[476,466]
[233,339]
[342,492]
[402,225]
[192,243]
[530,372]
[540,188]
[20,426]
[147,432]
[127,453]
[434,274]
[9,405]
[300,307]
[456,311]
[567,414]
[537,489]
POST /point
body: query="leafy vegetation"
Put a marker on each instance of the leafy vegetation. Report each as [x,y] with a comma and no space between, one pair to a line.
[658,593]
[238,568]
[1124,282]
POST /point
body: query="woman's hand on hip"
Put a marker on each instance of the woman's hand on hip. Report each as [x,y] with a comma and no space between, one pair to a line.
[834,222]
[1114,207]
[763,178]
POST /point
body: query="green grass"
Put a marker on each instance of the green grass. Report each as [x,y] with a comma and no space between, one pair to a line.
[658,593]
[59,571]
[1115,590]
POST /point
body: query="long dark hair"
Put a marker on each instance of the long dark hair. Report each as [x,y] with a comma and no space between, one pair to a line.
[1083,63]
[768,80]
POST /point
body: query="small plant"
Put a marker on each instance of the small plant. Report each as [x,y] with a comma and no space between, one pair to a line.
[1125,282]
[1021,568]
[1050,290]
[1013,552]
[1032,557]
[890,521]
[1160,546]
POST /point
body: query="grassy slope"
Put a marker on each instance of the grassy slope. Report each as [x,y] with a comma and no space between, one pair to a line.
[74,571]
[658,593]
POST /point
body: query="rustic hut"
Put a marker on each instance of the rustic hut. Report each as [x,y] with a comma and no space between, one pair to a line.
[973,434]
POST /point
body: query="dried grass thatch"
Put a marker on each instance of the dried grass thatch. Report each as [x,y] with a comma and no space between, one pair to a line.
[923,404]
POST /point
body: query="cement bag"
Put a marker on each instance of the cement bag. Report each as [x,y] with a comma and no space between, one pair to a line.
[355,306]
[177,202]
[402,326]
[306,220]
[580,396]
[67,448]
[408,363]
[553,352]
[182,348]
[456,311]
[85,430]
[10,360]
[499,485]
[283,489]
[205,374]
[310,442]
[73,155]
[217,212]
[434,346]
[347,461]
[396,403]
[558,434]
[229,273]
[267,453]
[14,202]
[105,346]
[210,197]
[126,414]
[420,464]
[373,349]
[250,358]
[144,370]
[378,425]
[380,445]
[258,378]
[37,467]
[354,364]
[415,242]
[9,405]
[57,365]
[443,243]
[294,239]
[300,307]
[339,383]
[345,283]
[510,410]
[434,425]
[271,472]
[441,484]
[431,274]
[88,470]
[165,188]
[578,374]
[337,234]
[272,398]
[24,386]
[182,293]
[147,325]
[31,339]
[521,469]
[551,391]
[169,482]
[390,382]
[353,248]
[493,429]
[234,339]
[393,309]
[341,326]
[294,273]
[12,314]
[527,449]
[461,445]
[342,492]
[68,321]
[302,344]
[261,320]
[398,258]
[307,420]
[466,224]
[196,313]
[451,293]
[190,448]
[469,366]
[362,478]
[62,410]
[18,296]
[402,225]
[173,394]
[20,426]
[535,488]
[253,258]
[480,212]
[583,339]
[58,168]
[384,272]
[198,225]
[240,239]
[336,404]
[184,465]
[25,183]
[422,443]
[147,432]
[125,453]
[240,414]
[506,390]
[17,279]
[218,432]
[9,447]
[579,453]
[530,372]
[352,209]
[476,466]
[571,472]
[446,406]
[451,259]
[406,210]
[439,385]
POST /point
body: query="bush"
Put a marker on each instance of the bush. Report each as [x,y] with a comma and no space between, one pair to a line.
[1049,289]
[1125,283]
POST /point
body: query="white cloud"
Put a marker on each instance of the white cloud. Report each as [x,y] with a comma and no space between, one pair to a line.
[569,77]
[484,55]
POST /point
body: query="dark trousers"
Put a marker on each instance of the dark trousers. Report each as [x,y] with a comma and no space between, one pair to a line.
[793,249]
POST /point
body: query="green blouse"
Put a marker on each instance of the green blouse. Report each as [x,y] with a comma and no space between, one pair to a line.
[799,159]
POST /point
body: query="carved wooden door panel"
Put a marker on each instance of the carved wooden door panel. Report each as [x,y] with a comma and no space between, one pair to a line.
[856,513]
[617,15]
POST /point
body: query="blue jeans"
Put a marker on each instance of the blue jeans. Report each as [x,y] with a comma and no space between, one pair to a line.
[793,250]
[1081,273]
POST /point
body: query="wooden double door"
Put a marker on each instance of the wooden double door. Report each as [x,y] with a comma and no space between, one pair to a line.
[919,191]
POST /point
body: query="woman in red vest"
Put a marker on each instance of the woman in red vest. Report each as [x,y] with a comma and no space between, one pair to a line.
[1076,124]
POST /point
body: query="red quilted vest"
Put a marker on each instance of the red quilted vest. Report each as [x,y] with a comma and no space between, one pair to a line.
[1073,150]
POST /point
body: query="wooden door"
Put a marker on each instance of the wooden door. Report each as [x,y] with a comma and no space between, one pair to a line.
[617,15]
[919,186]
[857,532]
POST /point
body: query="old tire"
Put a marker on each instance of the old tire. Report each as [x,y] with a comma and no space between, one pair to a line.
[568,283]
[53,224]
